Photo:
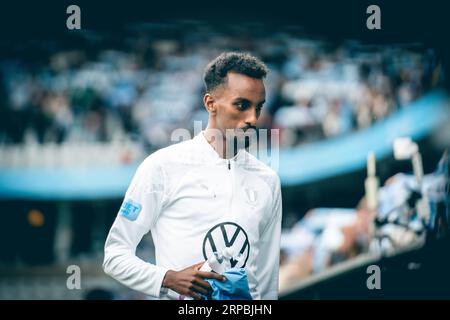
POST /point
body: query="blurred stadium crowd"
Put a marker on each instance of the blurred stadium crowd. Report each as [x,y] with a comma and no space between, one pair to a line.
[147,87]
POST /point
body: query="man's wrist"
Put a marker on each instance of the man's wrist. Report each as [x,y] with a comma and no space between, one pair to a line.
[167,279]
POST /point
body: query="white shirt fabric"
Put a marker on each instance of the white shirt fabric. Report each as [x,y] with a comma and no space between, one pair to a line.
[194,203]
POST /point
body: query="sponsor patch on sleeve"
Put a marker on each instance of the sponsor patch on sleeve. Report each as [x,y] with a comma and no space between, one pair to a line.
[130,210]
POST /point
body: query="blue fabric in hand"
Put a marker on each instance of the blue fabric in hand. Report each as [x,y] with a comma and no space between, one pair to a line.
[234,288]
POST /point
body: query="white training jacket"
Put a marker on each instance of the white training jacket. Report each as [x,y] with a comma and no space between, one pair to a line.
[194,203]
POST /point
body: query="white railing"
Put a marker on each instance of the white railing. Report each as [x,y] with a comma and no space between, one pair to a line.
[70,154]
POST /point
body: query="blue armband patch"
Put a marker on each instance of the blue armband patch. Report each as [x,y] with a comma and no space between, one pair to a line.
[130,210]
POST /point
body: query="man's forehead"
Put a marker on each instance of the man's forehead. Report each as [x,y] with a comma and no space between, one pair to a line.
[240,85]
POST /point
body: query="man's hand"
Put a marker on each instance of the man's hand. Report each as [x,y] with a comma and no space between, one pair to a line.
[190,281]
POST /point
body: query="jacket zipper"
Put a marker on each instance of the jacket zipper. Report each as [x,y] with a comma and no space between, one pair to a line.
[232,187]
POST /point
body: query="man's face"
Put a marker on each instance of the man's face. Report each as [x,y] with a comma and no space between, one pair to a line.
[237,103]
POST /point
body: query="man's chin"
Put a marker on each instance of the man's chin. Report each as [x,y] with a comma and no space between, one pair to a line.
[241,138]
[242,142]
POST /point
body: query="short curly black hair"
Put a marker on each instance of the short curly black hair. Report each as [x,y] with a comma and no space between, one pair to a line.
[242,63]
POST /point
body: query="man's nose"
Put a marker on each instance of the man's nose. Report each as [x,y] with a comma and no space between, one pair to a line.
[251,117]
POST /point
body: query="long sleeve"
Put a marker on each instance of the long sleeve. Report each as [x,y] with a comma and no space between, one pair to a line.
[269,254]
[140,209]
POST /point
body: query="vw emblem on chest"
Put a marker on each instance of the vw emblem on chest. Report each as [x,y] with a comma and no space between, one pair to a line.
[227,235]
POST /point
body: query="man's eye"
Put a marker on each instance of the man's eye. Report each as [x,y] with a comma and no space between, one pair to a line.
[242,105]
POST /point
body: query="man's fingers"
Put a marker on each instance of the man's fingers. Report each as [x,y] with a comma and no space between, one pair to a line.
[195,295]
[202,283]
[211,275]
[199,289]
[197,266]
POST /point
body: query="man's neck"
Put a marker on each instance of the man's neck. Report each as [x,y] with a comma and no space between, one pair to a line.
[220,148]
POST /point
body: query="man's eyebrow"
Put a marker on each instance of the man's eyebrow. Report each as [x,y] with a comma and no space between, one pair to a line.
[247,100]
[241,99]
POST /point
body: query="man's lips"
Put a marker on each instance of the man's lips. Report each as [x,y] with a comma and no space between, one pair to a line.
[247,128]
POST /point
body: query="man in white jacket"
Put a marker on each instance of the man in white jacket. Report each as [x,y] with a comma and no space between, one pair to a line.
[197,199]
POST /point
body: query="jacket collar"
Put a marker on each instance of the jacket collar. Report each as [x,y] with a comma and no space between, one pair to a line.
[212,154]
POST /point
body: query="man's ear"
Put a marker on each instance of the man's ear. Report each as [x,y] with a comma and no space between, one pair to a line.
[209,102]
